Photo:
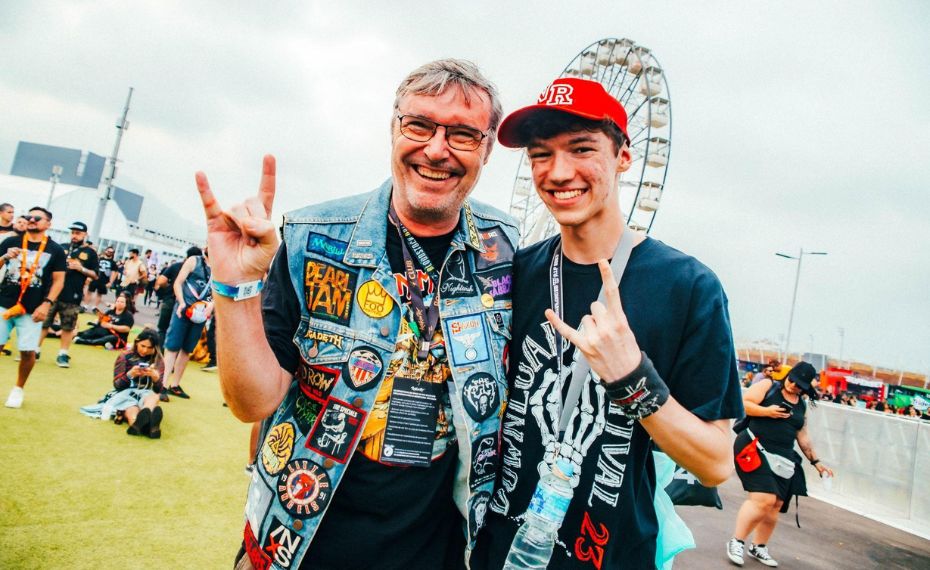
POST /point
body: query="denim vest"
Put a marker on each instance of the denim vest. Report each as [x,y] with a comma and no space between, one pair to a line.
[350,316]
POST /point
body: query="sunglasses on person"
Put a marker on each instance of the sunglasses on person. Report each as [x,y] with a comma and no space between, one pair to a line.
[33,218]
[421,129]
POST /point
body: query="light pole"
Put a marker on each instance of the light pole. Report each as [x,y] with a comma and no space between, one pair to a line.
[794,297]
[842,332]
[56,174]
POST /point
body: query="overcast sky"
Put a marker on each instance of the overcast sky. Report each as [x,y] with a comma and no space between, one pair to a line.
[796,124]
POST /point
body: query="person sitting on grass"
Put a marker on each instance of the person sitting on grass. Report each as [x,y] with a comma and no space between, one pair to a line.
[112,328]
[137,376]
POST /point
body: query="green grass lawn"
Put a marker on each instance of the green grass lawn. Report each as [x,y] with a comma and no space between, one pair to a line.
[80,493]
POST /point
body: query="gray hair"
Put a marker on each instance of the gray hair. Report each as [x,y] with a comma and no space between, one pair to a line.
[435,77]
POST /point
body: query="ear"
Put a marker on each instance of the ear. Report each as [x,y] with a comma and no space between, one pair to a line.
[624,159]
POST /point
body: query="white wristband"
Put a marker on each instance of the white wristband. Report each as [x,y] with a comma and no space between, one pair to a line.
[238,292]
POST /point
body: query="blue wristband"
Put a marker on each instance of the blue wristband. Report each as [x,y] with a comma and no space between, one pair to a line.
[239,292]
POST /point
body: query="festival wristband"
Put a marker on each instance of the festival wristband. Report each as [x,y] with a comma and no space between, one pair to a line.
[239,292]
[640,393]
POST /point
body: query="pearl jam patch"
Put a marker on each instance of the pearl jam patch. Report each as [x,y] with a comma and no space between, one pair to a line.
[467,340]
[326,246]
[306,411]
[455,280]
[316,381]
[304,489]
[374,300]
[334,434]
[362,370]
[483,465]
[328,291]
[497,248]
[279,444]
[480,396]
[496,281]
[259,560]
[476,512]
[281,543]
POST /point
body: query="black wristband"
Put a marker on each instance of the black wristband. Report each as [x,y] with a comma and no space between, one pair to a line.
[640,393]
[51,302]
[815,461]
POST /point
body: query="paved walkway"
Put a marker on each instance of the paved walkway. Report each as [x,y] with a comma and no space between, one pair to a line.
[830,537]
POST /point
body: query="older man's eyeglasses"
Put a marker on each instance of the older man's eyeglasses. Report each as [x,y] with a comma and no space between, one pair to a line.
[420,129]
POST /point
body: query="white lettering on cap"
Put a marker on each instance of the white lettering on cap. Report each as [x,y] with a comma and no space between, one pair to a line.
[557,94]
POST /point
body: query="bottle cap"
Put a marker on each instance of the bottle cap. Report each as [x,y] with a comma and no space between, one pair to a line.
[566,467]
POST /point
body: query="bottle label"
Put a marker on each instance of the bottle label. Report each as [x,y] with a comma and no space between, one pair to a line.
[549,505]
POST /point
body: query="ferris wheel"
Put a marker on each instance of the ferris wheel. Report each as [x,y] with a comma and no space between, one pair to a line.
[632,74]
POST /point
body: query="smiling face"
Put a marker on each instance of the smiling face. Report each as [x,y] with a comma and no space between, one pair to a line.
[575,174]
[37,222]
[431,179]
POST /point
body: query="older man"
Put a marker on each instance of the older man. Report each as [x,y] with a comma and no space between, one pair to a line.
[387,315]
[82,265]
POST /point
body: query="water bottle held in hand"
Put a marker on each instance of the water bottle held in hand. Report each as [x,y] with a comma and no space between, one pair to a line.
[827,481]
[533,544]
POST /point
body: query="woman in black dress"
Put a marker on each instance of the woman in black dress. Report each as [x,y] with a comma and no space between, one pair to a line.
[766,462]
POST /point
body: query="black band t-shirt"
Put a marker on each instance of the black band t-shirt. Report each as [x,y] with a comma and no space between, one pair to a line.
[51,260]
[73,290]
[677,311]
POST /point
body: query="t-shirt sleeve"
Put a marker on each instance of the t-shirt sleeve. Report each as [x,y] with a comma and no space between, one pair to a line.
[705,377]
[58,261]
[92,261]
[281,312]
[7,243]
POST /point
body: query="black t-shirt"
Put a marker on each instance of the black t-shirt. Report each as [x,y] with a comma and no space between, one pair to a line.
[170,273]
[73,291]
[406,511]
[124,319]
[678,313]
[105,266]
[51,260]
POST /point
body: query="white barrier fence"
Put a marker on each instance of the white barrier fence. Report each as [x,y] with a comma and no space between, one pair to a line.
[882,463]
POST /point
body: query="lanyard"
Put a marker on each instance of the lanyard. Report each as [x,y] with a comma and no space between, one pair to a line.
[617,265]
[426,318]
[25,275]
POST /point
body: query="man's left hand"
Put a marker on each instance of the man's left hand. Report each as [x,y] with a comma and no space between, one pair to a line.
[40,313]
[607,341]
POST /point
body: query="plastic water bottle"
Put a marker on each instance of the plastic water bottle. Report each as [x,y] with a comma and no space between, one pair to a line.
[827,481]
[533,544]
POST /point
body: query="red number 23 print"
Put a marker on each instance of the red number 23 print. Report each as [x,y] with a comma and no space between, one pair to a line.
[598,535]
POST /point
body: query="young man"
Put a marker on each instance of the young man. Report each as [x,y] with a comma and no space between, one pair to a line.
[35,274]
[659,348]
[82,265]
[6,219]
[387,316]
[134,273]
[191,287]
[98,287]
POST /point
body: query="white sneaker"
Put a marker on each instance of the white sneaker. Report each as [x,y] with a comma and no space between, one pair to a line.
[761,553]
[15,400]
[735,551]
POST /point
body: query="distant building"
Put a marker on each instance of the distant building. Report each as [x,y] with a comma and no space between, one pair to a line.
[132,219]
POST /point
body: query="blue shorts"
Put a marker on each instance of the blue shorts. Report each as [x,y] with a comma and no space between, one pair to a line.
[182,333]
[27,331]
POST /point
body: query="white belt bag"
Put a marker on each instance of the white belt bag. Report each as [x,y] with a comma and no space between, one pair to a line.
[781,466]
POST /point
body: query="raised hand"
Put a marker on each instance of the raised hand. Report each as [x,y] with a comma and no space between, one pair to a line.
[605,339]
[242,239]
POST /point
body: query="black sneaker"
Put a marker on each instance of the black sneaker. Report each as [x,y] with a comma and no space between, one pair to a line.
[163,395]
[155,426]
[179,392]
[63,360]
[141,425]
[761,553]
[210,367]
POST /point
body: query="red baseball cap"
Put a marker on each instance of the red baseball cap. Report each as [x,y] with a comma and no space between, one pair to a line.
[579,97]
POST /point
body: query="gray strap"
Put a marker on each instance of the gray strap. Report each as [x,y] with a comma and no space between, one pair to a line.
[581,369]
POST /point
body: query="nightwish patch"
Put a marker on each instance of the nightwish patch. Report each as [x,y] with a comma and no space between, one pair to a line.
[281,543]
[328,291]
[497,248]
[496,281]
[483,466]
[317,381]
[279,444]
[334,434]
[304,489]
[306,410]
[455,280]
[326,246]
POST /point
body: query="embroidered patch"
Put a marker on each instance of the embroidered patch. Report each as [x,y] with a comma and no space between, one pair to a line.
[83,256]
[304,489]
[484,463]
[480,396]
[476,512]
[334,434]
[496,281]
[467,340]
[403,285]
[316,381]
[455,280]
[279,444]
[326,246]
[306,410]
[281,543]
[328,291]
[374,300]
[325,336]
[362,370]
[497,248]
[259,560]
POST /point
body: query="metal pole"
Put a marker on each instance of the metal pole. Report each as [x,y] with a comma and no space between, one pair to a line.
[107,194]
[794,298]
[842,339]
[56,172]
